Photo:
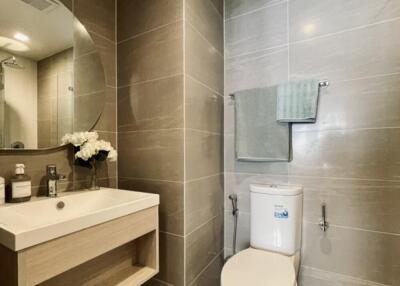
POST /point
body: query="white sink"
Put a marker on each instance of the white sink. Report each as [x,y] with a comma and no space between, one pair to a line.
[28,224]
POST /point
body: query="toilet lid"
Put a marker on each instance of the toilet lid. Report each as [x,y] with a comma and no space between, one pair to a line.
[258,268]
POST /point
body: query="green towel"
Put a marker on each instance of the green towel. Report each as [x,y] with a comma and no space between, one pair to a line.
[259,137]
[298,101]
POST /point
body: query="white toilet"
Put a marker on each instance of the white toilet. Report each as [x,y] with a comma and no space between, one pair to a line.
[275,239]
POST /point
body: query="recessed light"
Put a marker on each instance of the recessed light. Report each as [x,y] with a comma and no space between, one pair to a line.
[21,37]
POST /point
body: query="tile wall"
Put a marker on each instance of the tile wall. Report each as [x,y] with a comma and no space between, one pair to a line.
[170,104]
[349,159]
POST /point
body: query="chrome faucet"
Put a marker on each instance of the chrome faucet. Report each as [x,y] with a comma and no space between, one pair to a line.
[52,179]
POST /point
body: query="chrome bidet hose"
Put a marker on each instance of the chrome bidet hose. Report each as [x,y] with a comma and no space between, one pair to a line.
[235,213]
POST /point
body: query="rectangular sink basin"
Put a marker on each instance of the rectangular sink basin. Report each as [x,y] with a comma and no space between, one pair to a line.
[28,224]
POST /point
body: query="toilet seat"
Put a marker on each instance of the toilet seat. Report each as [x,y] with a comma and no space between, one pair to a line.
[258,268]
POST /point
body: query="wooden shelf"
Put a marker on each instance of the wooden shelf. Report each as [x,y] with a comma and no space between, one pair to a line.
[138,275]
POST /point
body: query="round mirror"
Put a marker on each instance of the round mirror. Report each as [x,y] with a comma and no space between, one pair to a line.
[52,81]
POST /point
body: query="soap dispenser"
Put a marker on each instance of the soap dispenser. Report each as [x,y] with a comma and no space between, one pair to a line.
[19,190]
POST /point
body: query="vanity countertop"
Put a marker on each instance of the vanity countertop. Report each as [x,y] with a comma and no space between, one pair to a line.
[42,219]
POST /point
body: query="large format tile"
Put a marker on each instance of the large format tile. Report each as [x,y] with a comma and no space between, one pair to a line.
[152,55]
[204,107]
[152,105]
[202,246]
[210,276]
[204,199]
[311,18]
[358,53]
[366,154]
[203,61]
[257,70]
[171,259]
[219,5]
[97,16]
[89,74]
[206,19]
[108,117]
[138,16]
[171,201]
[362,254]
[362,103]
[238,7]
[316,277]
[203,155]
[371,205]
[151,155]
[244,34]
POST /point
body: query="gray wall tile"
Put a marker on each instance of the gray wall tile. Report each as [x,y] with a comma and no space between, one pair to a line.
[238,7]
[243,34]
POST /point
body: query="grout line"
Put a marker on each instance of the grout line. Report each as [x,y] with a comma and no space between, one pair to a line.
[99,35]
[184,137]
[204,224]
[311,177]
[205,39]
[204,85]
[148,31]
[204,177]
[167,129]
[346,30]
[354,228]
[256,10]
[149,179]
[276,50]
[343,276]
[172,234]
[161,282]
[150,80]
[346,129]
[207,266]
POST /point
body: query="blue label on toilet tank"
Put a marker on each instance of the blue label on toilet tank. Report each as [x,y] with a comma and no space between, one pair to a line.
[281,212]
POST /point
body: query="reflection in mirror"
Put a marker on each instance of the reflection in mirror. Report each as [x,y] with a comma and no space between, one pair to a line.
[51,77]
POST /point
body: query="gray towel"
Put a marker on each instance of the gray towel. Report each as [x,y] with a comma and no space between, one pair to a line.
[298,101]
[259,137]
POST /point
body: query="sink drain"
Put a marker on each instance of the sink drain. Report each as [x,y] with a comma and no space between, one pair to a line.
[60,205]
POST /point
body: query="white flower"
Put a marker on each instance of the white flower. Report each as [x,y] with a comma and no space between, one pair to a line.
[79,138]
[87,151]
[112,155]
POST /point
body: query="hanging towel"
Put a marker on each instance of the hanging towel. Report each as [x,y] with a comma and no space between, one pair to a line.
[298,101]
[259,137]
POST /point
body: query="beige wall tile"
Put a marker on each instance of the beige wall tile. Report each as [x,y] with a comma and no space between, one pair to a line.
[97,16]
[202,246]
[203,61]
[151,155]
[205,18]
[171,201]
[171,259]
[151,55]
[138,16]
[203,154]
[153,105]
[204,199]
[211,275]
[238,7]
[108,117]
[204,107]
[89,76]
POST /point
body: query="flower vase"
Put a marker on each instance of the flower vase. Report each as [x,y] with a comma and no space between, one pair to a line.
[94,184]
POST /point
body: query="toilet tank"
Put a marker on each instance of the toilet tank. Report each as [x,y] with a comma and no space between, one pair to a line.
[276,218]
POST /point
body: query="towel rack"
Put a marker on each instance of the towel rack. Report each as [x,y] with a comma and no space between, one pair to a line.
[323,83]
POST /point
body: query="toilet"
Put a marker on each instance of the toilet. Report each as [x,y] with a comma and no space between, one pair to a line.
[275,239]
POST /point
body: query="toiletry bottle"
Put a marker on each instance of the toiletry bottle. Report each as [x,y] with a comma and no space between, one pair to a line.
[19,190]
[2,191]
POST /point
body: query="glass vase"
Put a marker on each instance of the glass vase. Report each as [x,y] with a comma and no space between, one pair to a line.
[94,185]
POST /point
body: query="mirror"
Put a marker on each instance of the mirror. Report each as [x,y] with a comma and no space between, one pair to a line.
[52,81]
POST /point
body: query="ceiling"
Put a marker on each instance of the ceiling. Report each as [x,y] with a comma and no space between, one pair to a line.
[50,31]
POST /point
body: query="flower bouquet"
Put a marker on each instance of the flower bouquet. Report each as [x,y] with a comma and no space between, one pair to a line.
[89,150]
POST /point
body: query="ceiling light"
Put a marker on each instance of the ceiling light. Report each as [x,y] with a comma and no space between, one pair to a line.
[21,37]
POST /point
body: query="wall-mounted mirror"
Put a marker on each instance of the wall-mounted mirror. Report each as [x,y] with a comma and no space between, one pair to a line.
[51,77]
